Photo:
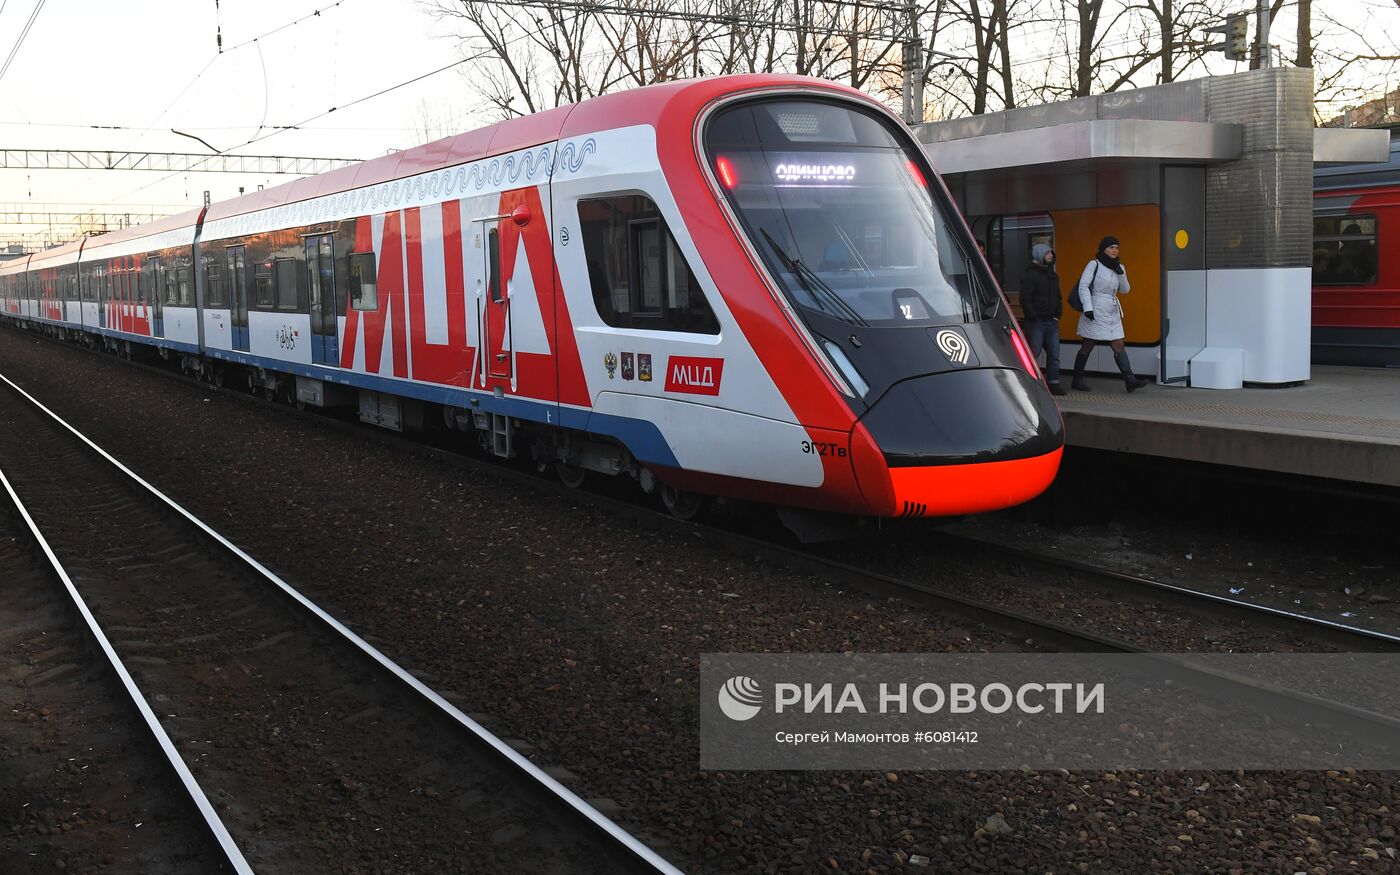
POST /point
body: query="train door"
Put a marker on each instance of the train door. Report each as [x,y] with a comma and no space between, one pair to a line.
[151,286]
[496,308]
[100,280]
[238,303]
[320,273]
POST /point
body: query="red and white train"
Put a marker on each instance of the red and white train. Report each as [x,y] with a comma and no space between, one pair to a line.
[750,286]
[1356,275]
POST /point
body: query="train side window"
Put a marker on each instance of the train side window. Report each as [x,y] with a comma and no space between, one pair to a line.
[172,284]
[1345,250]
[638,274]
[286,283]
[148,281]
[320,279]
[364,290]
[493,258]
[182,282]
[238,277]
[263,280]
[213,282]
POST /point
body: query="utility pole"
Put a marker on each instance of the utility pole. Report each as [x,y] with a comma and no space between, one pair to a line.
[1262,29]
[913,66]
[1168,40]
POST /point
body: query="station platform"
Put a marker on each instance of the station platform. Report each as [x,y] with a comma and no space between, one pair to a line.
[1343,424]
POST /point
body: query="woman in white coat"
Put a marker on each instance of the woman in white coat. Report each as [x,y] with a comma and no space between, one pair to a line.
[1102,281]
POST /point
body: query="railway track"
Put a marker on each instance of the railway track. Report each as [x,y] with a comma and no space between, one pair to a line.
[300,744]
[1025,625]
[66,704]
[1343,636]
[1031,622]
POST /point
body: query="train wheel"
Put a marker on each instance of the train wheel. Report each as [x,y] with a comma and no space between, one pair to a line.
[571,476]
[216,377]
[681,504]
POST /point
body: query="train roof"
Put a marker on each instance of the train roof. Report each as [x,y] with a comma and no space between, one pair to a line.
[1361,175]
[133,239]
[650,105]
[57,256]
[15,265]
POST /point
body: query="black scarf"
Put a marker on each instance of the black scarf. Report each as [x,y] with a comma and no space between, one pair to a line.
[1112,264]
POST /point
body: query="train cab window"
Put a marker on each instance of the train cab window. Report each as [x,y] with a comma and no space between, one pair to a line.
[639,275]
[263,280]
[364,291]
[213,282]
[1345,250]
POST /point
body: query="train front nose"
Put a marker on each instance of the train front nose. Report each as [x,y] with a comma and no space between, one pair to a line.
[961,441]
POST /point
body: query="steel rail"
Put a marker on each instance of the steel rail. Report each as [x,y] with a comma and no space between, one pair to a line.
[1037,629]
[571,800]
[1329,630]
[1341,633]
[177,763]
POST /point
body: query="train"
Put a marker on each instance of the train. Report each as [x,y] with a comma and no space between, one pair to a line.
[1356,291]
[749,287]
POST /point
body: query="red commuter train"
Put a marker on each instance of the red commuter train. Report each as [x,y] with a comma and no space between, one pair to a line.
[748,286]
[1356,275]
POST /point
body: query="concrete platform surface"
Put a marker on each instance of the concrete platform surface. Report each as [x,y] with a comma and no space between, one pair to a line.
[1343,424]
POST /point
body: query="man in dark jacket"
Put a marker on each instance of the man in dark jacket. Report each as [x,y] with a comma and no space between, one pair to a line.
[1041,304]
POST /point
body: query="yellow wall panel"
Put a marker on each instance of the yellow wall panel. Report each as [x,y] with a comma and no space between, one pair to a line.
[1138,229]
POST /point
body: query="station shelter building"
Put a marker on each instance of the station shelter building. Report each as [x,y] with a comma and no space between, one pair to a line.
[1208,183]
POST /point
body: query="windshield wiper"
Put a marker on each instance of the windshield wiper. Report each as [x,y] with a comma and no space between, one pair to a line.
[815,285]
[990,301]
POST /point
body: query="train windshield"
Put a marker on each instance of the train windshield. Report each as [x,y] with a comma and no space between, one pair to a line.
[842,214]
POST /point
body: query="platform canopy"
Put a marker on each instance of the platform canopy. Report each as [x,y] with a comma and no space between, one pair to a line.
[1094,139]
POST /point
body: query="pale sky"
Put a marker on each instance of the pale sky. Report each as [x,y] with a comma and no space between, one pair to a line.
[147,66]
[138,63]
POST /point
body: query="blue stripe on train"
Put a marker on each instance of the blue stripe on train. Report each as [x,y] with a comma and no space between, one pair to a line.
[643,439]
[147,339]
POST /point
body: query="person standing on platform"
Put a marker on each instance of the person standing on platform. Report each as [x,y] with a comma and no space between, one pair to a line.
[1101,321]
[1041,305]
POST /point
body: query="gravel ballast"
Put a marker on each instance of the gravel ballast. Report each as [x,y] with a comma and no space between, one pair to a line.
[581,634]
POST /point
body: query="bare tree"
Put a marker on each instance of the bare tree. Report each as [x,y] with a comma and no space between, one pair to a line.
[1305,36]
[530,55]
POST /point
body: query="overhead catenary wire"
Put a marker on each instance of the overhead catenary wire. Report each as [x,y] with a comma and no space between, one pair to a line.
[38,7]
[315,13]
[283,128]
